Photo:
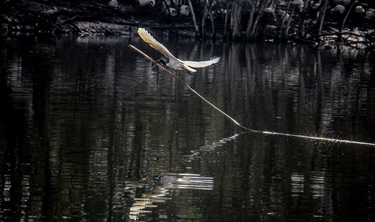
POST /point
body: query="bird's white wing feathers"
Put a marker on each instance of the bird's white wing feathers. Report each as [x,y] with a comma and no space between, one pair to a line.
[147,37]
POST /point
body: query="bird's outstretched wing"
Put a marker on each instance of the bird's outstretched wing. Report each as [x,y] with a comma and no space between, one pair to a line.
[201,64]
[147,37]
[173,61]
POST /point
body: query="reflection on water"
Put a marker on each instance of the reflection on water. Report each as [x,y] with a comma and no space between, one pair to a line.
[156,190]
[90,131]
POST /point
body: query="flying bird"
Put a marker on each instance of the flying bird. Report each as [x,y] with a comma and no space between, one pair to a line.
[171,61]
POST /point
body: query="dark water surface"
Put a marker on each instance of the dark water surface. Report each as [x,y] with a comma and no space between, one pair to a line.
[90,132]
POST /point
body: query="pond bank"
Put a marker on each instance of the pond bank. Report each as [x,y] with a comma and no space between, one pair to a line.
[316,24]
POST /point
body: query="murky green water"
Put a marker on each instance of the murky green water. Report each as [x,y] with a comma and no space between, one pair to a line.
[89,131]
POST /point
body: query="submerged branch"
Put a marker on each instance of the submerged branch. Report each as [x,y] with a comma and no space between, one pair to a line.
[318,138]
[235,121]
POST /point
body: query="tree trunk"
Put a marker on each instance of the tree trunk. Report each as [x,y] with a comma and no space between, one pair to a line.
[203,23]
[261,5]
[212,22]
[285,23]
[235,19]
[306,6]
[250,22]
[322,14]
[194,19]
[225,33]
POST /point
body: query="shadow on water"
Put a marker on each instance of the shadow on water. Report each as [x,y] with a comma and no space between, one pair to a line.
[90,131]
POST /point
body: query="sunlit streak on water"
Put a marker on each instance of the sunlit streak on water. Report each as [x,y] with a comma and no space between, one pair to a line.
[159,190]
[297,183]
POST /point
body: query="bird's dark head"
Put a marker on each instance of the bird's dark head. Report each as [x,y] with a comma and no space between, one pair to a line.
[163,61]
